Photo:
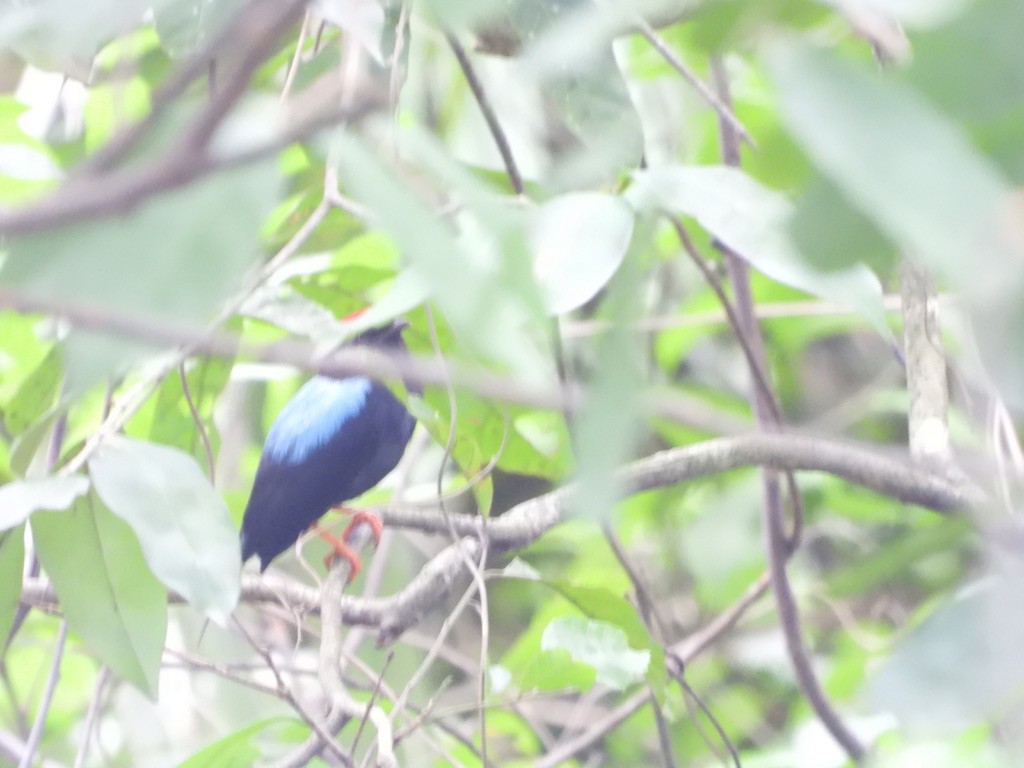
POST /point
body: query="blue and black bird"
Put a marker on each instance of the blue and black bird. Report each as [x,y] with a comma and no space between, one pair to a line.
[333,441]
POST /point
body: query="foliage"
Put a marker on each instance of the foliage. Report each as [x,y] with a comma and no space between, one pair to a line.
[555,211]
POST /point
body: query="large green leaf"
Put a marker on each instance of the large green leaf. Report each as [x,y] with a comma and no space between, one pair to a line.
[476,271]
[895,157]
[917,176]
[961,665]
[183,525]
[12,558]
[608,427]
[173,257]
[534,669]
[21,498]
[752,221]
[108,595]
[64,35]
[578,242]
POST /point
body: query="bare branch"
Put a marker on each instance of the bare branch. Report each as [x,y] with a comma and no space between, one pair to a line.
[778,545]
[29,753]
[926,367]
[350,361]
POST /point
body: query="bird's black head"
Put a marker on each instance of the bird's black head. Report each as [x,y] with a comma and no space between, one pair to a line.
[383,337]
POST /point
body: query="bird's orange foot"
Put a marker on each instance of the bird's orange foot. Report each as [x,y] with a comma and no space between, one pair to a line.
[340,547]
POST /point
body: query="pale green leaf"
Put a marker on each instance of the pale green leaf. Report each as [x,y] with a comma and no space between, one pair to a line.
[185,25]
[900,161]
[174,256]
[238,750]
[752,220]
[578,242]
[183,525]
[108,595]
[12,557]
[599,644]
[21,498]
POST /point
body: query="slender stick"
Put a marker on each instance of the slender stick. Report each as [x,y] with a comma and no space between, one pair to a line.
[778,544]
[32,744]
[515,179]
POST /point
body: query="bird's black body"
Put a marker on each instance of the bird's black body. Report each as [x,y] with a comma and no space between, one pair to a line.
[333,441]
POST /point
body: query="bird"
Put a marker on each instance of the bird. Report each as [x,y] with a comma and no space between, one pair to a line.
[333,441]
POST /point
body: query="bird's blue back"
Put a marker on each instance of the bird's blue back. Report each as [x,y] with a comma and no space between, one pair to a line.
[333,441]
[317,412]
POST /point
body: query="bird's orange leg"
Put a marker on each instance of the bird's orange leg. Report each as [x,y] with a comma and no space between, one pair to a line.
[340,547]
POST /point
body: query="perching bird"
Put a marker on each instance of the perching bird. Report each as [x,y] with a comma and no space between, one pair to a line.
[333,441]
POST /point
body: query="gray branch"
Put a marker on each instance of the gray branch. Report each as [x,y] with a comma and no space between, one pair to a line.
[888,472]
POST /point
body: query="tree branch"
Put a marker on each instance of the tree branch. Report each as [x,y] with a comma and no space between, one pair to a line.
[374,364]
[888,473]
[778,545]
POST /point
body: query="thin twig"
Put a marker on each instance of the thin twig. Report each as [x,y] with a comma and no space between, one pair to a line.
[752,343]
[284,692]
[668,757]
[195,66]
[91,717]
[724,109]
[293,66]
[121,191]
[198,420]
[32,743]
[442,635]
[476,571]
[691,694]
[500,139]
[373,699]
[779,545]
[354,361]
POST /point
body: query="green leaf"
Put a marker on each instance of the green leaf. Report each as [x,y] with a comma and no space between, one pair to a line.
[36,394]
[239,750]
[166,417]
[480,279]
[173,257]
[22,351]
[599,644]
[21,498]
[27,165]
[833,234]
[108,595]
[25,450]
[570,57]
[183,525]
[184,26]
[578,242]
[961,665]
[556,670]
[984,41]
[610,424]
[752,221]
[879,143]
[12,558]
[607,607]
